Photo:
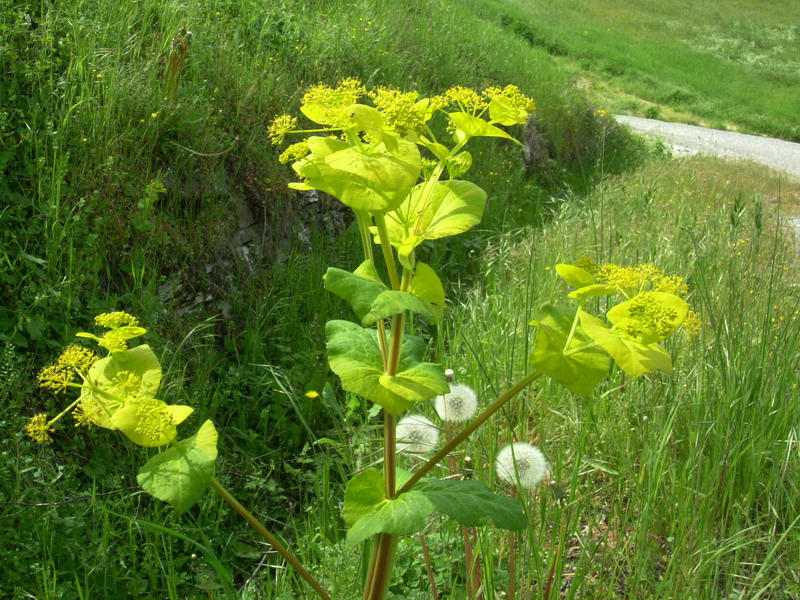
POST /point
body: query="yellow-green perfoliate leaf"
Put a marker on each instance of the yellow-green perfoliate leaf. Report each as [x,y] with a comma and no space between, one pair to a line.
[180,474]
[575,276]
[451,208]
[372,300]
[631,356]
[354,355]
[375,178]
[579,367]
[650,316]
[504,111]
[597,289]
[150,422]
[427,286]
[114,380]
[368,511]
[468,126]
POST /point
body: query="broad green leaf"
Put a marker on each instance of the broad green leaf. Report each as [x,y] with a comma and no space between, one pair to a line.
[575,276]
[370,120]
[598,289]
[453,207]
[368,511]
[355,356]
[113,380]
[472,503]
[180,474]
[650,316]
[468,126]
[440,151]
[503,111]
[150,422]
[323,146]
[372,179]
[579,372]
[372,300]
[427,286]
[631,356]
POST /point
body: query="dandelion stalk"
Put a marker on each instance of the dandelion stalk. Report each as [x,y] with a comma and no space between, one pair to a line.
[270,539]
[467,431]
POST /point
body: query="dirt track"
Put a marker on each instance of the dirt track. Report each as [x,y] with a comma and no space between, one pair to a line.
[689,139]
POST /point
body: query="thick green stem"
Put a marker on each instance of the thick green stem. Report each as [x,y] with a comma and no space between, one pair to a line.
[386,246]
[271,539]
[383,567]
[480,420]
[389,450]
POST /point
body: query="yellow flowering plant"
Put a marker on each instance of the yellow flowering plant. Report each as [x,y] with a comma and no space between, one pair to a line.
[376,152]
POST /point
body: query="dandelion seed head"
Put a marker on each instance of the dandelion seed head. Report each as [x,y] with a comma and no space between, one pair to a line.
[458,405]
[416,434]
[523,460]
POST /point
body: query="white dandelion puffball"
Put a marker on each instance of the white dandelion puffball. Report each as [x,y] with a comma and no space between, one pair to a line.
[459,405]
[416,434]
[523,460]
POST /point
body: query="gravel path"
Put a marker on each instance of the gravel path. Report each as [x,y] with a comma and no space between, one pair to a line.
[689,139]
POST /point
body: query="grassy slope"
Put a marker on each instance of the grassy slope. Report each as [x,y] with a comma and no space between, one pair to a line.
[733,65]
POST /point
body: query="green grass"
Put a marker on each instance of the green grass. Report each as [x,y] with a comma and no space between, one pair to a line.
[731,65]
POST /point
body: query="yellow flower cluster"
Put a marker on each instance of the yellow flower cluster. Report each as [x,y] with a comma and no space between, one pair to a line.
[514,95]
[279,127]
[78,358]
[38,429]
[651,313]
[56,378]
[467,99]
[128,382]
[335,102]
[641,278]
[113,341]
[400,110]
[116,319]
[692,324]
[295,152]
[85,412]
[153,418]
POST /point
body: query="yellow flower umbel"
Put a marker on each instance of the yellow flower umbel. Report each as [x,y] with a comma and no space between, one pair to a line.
[401,111]
[281,126]
[116,319]
[38,429]
[468,100]
[514,96]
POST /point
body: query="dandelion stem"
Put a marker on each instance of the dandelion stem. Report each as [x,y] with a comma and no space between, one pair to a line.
[271,539]
[480,420]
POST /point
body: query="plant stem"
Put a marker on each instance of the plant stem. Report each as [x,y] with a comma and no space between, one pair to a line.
[428,567]
[386,247]
[271,539]
[480,420]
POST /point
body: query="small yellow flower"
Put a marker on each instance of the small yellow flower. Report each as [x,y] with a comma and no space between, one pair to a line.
[312,394]
[153,115]
[38,429]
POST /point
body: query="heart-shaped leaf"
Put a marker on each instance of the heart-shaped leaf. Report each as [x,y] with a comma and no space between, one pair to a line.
[472,503]
[368,511]
[180,474]
[631,356]
[354,355]
[579,371]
